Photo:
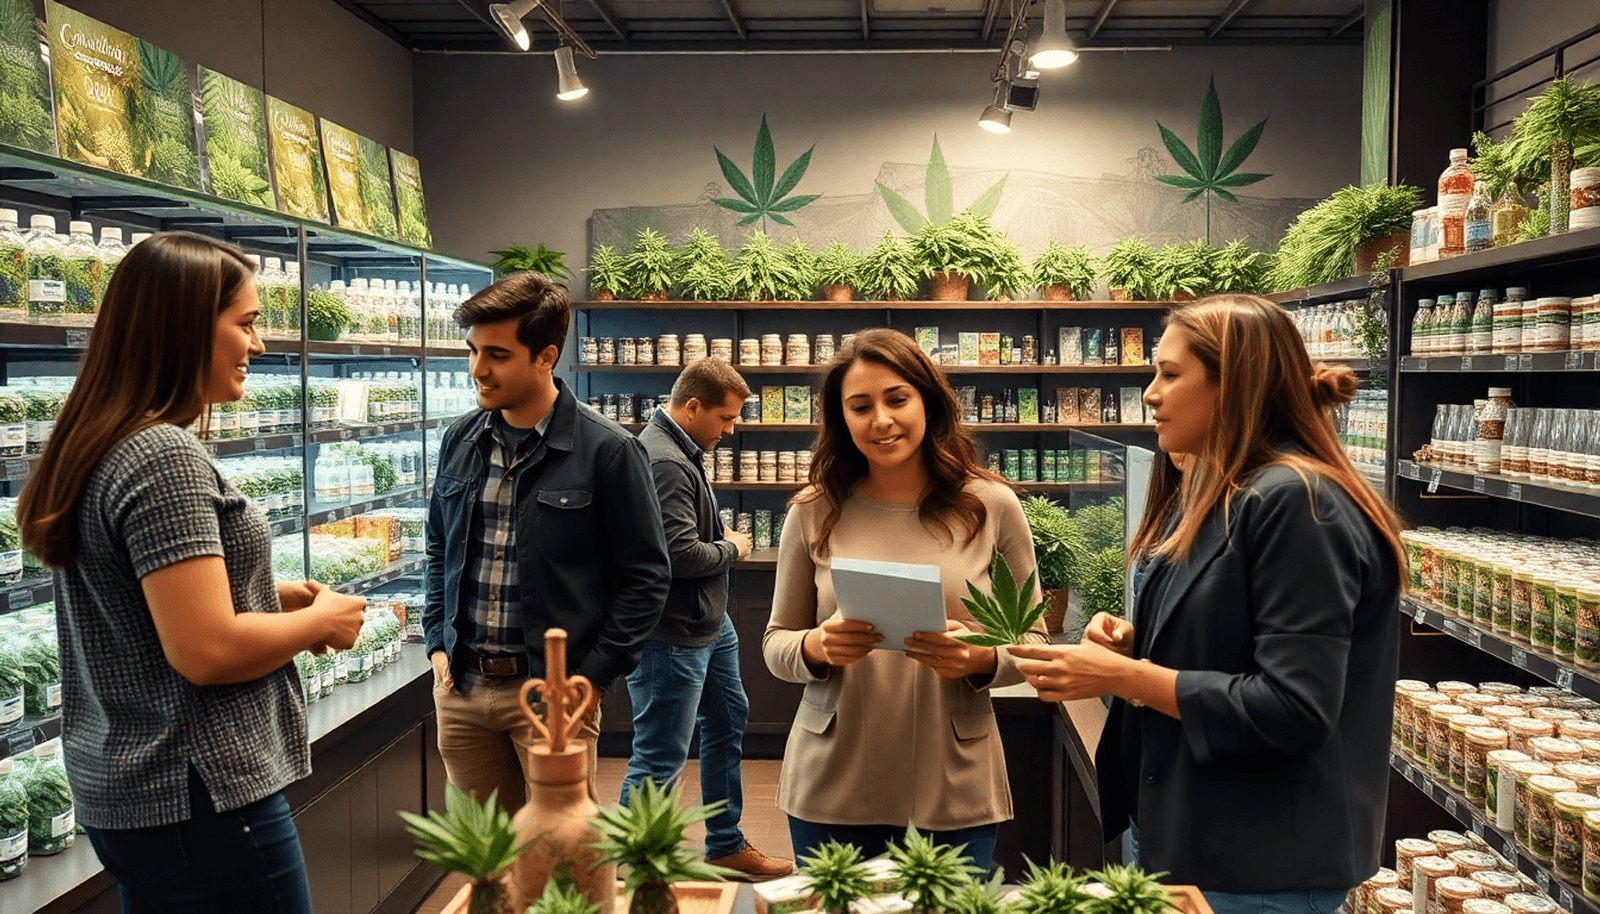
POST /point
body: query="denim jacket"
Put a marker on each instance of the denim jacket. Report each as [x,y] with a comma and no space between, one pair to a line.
[591,556]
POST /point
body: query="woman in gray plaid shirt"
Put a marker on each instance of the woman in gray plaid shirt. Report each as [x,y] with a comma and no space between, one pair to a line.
[183,718]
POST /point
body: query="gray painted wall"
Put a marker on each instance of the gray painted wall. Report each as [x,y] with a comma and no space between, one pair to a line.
[310,53]
[1519,29]
[505,162]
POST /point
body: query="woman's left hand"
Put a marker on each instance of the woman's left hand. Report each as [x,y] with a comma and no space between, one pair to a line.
[1067,672]
[293,595]
[951,659]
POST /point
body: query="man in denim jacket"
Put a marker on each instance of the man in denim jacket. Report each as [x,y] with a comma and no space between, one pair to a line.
[544,515]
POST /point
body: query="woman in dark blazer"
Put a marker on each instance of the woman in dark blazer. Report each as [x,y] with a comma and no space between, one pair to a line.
[1248,745]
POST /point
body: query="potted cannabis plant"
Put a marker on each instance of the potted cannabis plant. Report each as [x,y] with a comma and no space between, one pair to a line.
[930,874]
[838,272]
[1565,117]
[475,840]
[1099,573]
[1058,546]
[1125,890]
[647,836]
[981,897]
[562,897]
[803,267]
[1051,889]
[952,254]
[1007,277]
[519,258]
[608,273]
[1321,244]
[1179,272]
[1238,268]
[651,267]
[1064,273]
[837,876]
[889,272]
[707,274]
[1126,268]
[762,271]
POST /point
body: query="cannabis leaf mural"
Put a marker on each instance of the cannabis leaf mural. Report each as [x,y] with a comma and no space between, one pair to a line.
[1210,173]
[759,196]
[938,197]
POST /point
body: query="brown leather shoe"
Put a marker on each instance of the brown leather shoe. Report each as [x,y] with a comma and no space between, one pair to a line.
[753,866]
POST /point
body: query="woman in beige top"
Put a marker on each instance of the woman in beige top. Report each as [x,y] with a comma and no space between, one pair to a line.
[905,734]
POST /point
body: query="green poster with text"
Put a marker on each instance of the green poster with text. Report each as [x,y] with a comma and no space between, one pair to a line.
[296,161]
[408,195]
[377,192]
[236,140]
[25,113]
[343,159]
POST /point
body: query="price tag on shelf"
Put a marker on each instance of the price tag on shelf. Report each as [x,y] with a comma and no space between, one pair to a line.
[1422,364]
[77,339]
[16,469]
[1574,360]
[1427,788]
[1511,363]
[1519,658]
[1566,898]
[1451,626]
[1564,678]
[261,445]
[1466,363]
[1433,481]
[1525,362]
[1508,850]
[1514,491]
[20,599]
[1543,878]
[1475,638]
[345,434]
[21,742]
[1477,827]
[1478,484]
[1394,760]
[1450,806]
[387,352]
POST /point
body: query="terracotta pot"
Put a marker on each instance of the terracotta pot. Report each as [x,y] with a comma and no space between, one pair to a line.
[1183,296]
[1397,243]
[1057,293]
[653,296]
[1122,295]
[949,286]
[839,293]
[1056,616]
[603,295]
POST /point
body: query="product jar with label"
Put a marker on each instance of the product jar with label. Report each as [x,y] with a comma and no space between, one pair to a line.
[1570,809]
[1408,849]
[1425,875]
[1554,749]
[1459,725]
[667,351]
[1453,891]
[749,351]
[1392,900]
[1404,689]
[1529,903]
[694,348]
[722,348]
[1479,742]
[769,466]
[1497,884]
[1471,861]
[1591,856]
[1520,773]
[771,349]
[1523,729]
[1484,906]
[645,350]
[797,351]
[1439,736]
[1542,790]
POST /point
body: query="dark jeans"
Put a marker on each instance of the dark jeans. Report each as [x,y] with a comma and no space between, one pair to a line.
[874,839]
[242,861]
[672,689]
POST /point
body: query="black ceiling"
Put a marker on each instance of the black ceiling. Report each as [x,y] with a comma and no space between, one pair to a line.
[664,25]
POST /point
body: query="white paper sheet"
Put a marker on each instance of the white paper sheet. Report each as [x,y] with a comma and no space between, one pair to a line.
[897,598]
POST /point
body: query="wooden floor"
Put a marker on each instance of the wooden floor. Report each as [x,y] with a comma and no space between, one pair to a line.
[763,824]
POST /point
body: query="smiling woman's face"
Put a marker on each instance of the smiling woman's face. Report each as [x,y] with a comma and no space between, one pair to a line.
[1181,397]
[884,413]
[233,343]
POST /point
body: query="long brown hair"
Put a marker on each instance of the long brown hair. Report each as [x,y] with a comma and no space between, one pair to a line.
[147,362]
[947,448]
[1269,394]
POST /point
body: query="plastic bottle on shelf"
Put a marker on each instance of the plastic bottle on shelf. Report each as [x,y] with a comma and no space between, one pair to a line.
[137,237]
[112,250]
[1479,230]
[270,289]
[357,301]
[290,314]
[13,267]
[1481,338]
[85,272]
[47,269]
[392,307]
[1455,193]
[1461,323]
[1420,326]
[361,480]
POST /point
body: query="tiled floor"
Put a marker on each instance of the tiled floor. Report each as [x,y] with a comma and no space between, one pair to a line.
[764,824]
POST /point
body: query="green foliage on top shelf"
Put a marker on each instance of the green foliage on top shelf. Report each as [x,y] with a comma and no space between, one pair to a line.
[1207,171]
[707,273]
[930,874]
[967,245]
[1072,268]
[763,272]
[1492,165]
[608,270]
[651,267]
[760,197]
[1179,269]
[803,262]
[890,272]
[938,195]
[519,258]
[838,265]
[1562,119]
[1007,277]
[1239,268]
[1321,244]
[1127,266]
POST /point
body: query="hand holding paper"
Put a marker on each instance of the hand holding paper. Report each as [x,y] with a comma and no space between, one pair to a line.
[898,599]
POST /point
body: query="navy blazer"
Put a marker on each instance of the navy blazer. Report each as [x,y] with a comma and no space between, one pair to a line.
[1283,627]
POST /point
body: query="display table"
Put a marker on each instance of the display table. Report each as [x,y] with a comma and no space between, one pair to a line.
[372,754]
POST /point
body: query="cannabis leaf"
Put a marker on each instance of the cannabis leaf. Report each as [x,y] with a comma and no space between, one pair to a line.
[1007,616]
[760,198]
[1211,173]
[938,197]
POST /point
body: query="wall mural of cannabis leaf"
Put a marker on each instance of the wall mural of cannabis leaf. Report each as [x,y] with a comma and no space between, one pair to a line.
[759,196]
[1210,173]
[938,196]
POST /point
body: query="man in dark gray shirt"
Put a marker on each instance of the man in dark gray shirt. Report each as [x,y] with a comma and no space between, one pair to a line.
[689,668]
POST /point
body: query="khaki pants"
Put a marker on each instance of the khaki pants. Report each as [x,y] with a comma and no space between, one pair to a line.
[485,739]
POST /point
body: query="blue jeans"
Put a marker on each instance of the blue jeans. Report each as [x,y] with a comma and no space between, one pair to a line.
[243,861]
[1313,901]
[672,689]
[874,839]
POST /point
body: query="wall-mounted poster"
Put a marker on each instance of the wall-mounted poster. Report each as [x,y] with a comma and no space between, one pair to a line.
[236,140]
[296,161]
[25,114]
[121,103]
[408,194]
[343,160]
[377,192]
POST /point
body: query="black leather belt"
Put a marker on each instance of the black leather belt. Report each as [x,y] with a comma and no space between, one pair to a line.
[495,665]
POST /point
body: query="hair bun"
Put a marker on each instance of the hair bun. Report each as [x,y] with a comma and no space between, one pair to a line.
[1332,385]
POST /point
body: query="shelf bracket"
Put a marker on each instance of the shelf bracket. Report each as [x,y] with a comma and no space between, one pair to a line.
[181,222]
[82,205]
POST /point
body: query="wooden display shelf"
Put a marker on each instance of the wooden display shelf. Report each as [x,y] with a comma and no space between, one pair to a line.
[946,369]
[920,305]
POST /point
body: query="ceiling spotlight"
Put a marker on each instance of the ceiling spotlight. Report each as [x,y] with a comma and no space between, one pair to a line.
[1055,47]
[509,17]
[997,117]
[568,86]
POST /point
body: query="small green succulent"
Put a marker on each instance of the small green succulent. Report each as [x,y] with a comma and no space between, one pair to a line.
[930,874]
[837,876]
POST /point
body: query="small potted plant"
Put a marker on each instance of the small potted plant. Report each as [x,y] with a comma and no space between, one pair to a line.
[1321,245]
[761,270]
[1058,545]
[647,836]
[1064,273]
[518,258]
[707,273]
[1544,138]
[981,897]
[889,272]
[562,897]
[1051,889]
[930,874]
[608,273]
[327,315]
[475,840]
[952,254]
[1099,572]
[651,267]
[1180,272]
[1126,268]
[1239,268]
[803,268]
[1007,277]
[837,876]
[838,272]
[1126,890]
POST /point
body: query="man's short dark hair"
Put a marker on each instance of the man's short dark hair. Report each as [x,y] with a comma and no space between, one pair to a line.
[709,381]
[539,306]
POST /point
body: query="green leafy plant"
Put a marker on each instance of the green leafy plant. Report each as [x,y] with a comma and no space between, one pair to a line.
[1321,244]
[1007,276]
[707,273]
[1180,269]
[930,874]
[838,265]
[981,897]
[1128,890]
[49,796]
[13,812]
[651,267]
[519,258]
[608,270]
[1560,120]
[1371,328]
[561,896]
[762,271]
[803,262]
[1009,614]
[759,196]
[1051,889]
[837,876]
[1057,540]
[939,197]
[1098,573]
[1492,165]
[1126,267]
[1239,268]
[890,271]
[1071,268]
[966,244]
[647,836]
[1537,225]
[327,315]
[478,841]
[1207,171]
